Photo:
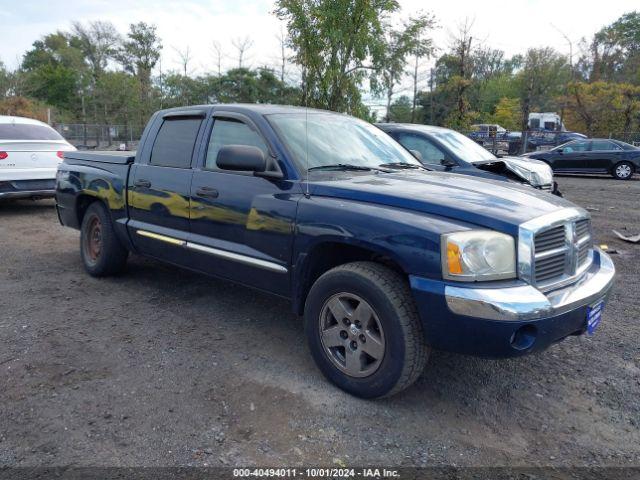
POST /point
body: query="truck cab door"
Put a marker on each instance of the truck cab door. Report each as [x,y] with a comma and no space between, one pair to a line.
[241,224]
[159,189]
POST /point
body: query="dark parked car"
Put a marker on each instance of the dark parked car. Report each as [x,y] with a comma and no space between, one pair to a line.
[596,155]
[384,259]
[446,150]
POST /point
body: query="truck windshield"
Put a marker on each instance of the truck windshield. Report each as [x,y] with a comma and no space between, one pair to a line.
[333,139]
[463,147]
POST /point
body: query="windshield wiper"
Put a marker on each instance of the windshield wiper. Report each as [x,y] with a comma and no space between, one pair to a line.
[347,166]
[403,165]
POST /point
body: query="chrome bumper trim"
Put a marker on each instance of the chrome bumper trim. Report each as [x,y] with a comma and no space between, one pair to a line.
[525,302]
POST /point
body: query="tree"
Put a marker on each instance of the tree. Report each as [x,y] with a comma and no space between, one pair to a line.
[183,90]
[6,81]
[422,48]
[185,57]
[507,113]
[541,80]
[401,110]
[117,94]
[55,72]
[410,38]
[339,45]
[253,86]
[602,108]
[460,81]
[284,58]
[242,46]
[218,53]
[98,41]
[615,51]
[139,55]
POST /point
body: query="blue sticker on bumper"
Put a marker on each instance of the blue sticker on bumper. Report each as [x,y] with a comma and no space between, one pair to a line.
[594,315]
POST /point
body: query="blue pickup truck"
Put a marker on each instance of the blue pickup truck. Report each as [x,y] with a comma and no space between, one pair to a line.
[384,259]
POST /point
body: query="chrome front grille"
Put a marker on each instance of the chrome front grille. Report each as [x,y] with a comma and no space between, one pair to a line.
[551,239]
[555,252]
[583,228]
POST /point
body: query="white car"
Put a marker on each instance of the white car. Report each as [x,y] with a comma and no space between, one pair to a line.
[30,152]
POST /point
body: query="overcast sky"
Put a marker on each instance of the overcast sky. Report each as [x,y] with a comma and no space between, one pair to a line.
[512,26]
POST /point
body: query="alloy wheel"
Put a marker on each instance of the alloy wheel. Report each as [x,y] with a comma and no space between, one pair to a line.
[352,335]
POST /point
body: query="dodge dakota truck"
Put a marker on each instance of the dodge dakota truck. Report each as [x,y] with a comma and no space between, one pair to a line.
[384,259]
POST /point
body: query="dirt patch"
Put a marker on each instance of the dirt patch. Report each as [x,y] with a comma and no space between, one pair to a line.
[165,367]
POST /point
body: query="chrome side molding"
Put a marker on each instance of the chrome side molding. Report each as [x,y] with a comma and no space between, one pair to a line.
[236,257]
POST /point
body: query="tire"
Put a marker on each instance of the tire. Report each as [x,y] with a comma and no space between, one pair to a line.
[395,354]
[101,251]
[622,171]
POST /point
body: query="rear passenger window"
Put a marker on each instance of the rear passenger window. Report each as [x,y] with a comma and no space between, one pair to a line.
[174,143]
[603,145]
[231,132]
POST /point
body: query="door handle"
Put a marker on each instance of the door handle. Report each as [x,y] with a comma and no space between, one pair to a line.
[207,192]
[142,183]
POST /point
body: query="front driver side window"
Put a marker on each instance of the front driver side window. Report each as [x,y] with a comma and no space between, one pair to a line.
[430,153]
[231,132]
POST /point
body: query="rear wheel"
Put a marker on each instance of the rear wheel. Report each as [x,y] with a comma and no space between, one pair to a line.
[363,330]
[622,171]
[101,251]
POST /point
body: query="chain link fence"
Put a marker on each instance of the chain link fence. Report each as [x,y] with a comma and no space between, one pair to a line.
[100,137]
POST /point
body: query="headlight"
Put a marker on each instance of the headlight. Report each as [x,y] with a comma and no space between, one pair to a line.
[478,255]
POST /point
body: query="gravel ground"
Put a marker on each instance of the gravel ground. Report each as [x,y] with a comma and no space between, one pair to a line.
[165,367]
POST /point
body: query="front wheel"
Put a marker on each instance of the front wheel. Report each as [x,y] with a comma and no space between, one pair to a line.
[363,330]
[101,251]
[622,171]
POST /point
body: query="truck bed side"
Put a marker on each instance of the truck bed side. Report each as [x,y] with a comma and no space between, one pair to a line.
[85,177]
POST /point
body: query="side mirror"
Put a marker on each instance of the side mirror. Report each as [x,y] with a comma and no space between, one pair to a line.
[416,154]
[241,158]
[447,162]
[560,150]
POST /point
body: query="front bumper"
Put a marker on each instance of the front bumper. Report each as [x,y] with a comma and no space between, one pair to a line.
[508,319]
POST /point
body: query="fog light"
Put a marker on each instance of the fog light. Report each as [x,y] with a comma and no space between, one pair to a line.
[524,337]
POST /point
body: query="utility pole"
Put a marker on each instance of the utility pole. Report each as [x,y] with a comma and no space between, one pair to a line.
[571,72]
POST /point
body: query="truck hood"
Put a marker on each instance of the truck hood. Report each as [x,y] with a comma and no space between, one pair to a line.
[489,203]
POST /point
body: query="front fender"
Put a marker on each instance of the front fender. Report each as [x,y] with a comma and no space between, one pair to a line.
[411,239]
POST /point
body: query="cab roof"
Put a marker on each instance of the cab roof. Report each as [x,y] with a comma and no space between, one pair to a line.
[261,109]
